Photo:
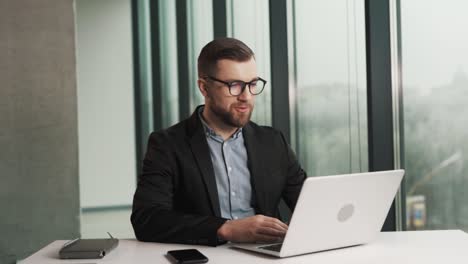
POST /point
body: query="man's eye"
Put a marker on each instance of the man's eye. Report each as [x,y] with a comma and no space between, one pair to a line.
[237,84]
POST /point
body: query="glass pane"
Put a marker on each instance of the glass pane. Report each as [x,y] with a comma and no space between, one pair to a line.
[250,23]
[435,81]
[168,64]
[330,119]
[145,74]
[200,32]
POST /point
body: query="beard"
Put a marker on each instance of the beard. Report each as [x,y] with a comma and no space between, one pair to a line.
[232,118]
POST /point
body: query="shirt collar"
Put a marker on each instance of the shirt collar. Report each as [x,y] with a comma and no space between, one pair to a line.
[210,132]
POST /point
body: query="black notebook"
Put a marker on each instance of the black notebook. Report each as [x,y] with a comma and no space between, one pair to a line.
[87,248]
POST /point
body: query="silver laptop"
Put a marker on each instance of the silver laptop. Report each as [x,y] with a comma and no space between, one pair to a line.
[335,212]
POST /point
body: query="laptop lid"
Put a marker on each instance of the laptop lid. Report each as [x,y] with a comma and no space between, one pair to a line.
[340,211]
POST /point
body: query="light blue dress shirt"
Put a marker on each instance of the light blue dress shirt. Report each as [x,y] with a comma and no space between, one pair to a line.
[231,171]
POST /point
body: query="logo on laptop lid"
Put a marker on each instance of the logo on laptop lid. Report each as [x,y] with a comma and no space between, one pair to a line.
[346,212]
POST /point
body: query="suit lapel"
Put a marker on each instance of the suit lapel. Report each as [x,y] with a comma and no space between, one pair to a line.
[201,153]
[255,164]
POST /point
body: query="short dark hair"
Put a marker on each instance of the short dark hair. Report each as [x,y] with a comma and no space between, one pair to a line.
[222,48]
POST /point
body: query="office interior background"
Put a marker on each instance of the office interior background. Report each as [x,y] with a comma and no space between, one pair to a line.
[354,85]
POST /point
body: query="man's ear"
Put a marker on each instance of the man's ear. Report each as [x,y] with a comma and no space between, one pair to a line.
[202,87]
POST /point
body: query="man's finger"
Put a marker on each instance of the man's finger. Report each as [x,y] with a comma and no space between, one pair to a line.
[271,232]
[275,225]
[283,225]
[274,220]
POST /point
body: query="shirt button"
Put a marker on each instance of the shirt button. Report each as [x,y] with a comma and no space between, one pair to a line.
[233,193]
[229,169]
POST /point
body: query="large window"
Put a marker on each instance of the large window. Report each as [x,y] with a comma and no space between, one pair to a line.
[330,110]
[168,64]
[250,23]
[435,89]
[200,32]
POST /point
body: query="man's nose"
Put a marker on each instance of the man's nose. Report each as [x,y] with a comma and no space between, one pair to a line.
[245,95]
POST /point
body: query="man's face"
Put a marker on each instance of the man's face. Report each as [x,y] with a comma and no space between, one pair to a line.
[232,110]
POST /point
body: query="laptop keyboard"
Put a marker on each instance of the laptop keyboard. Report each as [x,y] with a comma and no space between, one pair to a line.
[274,247]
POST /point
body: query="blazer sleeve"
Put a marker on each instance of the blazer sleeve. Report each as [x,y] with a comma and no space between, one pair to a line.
[153,216]
[295,177]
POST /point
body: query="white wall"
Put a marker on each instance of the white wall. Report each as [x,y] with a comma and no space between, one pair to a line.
[105,102]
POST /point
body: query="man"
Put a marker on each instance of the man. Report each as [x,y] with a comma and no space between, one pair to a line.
[217,176]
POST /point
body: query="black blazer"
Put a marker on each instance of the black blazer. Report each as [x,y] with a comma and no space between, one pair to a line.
[176,200]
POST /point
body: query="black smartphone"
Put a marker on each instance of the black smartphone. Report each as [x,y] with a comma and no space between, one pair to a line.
[187,256]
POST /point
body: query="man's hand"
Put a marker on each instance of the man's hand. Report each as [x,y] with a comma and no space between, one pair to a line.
[258,228]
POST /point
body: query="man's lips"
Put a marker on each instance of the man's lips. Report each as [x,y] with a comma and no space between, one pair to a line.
[242,108]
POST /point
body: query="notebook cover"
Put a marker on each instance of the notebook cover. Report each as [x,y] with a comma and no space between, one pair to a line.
[87,248]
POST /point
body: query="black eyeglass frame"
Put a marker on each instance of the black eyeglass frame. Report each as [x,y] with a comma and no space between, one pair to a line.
[244,84]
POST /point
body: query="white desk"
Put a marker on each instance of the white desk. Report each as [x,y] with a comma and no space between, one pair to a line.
[438,247]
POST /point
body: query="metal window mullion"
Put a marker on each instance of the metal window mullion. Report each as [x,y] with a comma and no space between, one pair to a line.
[219,18]
[183,59]
[141,77]
[292,64]
[136,84]
[156,65]
[398,118]
[379,93]
[278,15]
[279,66]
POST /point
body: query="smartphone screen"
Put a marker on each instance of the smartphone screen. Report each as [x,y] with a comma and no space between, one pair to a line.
[187,256]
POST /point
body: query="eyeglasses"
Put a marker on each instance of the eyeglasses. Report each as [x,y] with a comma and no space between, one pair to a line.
[237,87]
